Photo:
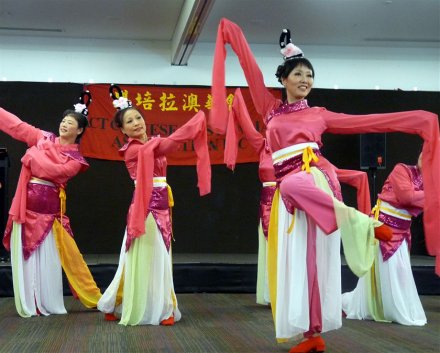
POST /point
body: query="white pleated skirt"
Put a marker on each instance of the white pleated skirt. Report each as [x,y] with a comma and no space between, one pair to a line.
[146,272]
[400,300]
[292,297]
[37,281]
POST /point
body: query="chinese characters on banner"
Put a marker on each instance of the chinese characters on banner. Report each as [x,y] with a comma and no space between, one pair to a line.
[165,109]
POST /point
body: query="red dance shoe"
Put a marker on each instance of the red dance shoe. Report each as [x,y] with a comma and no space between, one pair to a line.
[383,233]
[110,317]
[313,344]
[168,322]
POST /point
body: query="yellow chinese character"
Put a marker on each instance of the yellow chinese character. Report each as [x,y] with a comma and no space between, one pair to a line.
[190,102]
[230,100]
[146,101]
[208,104]
[167,102]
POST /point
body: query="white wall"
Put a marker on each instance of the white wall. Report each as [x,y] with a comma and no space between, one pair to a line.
[140,62]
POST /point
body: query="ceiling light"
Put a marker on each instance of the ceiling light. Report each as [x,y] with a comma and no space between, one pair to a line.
[30,29]
[191,21]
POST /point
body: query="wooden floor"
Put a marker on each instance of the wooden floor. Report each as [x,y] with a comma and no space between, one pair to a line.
[226,323]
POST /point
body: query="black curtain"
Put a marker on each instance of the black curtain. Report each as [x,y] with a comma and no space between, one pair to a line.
[226,220]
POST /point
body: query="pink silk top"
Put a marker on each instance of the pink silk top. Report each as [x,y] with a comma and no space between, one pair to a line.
[46,159]
[239,116]
[144,161]
[159,203]
[287,127]
[403,189]
[130,153]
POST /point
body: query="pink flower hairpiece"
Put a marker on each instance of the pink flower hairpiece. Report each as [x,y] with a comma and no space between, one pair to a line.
[119,101]
[79,107]
[84,101]
[288,49]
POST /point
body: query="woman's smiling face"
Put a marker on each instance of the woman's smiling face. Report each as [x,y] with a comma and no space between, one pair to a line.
[69,129]
[133,125]
[298,83]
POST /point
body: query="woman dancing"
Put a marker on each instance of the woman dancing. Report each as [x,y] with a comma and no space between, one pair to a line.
[239,118]
[142,291]
[388,291]
[38,232]
[308,220]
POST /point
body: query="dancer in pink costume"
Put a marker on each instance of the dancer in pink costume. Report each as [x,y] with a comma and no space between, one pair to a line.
[38,232]
[239,118]
[307,219]
[388,291]
[142,291]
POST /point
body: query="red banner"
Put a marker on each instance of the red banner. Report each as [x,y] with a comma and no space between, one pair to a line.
[165,109]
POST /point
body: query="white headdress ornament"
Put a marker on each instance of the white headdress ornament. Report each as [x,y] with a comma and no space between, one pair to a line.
[82,106]
[288,49]
[119,101]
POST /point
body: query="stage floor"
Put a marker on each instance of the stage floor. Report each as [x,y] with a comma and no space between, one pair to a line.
[236,259]
[211,323]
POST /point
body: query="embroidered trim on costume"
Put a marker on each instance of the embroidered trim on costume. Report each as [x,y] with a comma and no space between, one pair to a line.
[394,222]
[76,155]
[287,108]
[336,192]
[288,165]
[416,178]
[49,135]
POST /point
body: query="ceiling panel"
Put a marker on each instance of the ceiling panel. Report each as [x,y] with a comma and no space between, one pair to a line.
[409,23]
